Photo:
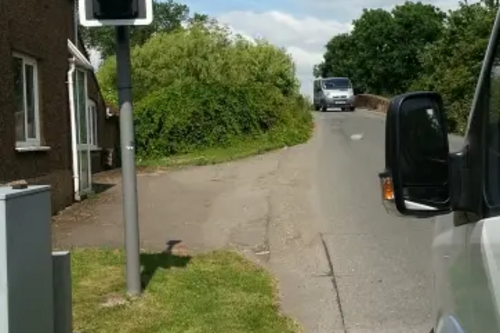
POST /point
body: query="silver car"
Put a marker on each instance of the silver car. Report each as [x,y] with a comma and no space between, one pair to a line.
[333,92]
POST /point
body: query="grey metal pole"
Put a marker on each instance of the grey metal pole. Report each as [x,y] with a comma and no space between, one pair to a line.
[130,211]
[63,299]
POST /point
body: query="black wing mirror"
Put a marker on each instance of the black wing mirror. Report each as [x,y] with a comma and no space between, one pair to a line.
[416,177]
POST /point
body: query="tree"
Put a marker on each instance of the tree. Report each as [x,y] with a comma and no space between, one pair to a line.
[338,59]
[417,25]
[416,47]
[452,64]
[201,87]
[168,16]
[374,41]
[380,55]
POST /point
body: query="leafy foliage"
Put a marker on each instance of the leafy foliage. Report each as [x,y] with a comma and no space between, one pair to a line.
[415,47]
[380,54]
[451,66]
[200,87]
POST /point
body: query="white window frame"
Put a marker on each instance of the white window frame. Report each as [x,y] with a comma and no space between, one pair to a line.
[86,108]
[93,132]
[30,142]
[91,116]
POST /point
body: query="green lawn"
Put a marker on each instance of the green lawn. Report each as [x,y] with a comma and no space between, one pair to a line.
[218,292]
[215,155]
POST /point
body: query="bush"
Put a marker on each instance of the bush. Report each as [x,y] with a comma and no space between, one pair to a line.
[201,88]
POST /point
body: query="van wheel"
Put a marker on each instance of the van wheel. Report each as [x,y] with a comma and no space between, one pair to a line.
[316,107]
[324,108]
[352,108]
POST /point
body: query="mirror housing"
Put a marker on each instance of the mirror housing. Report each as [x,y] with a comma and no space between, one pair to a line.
[416,180]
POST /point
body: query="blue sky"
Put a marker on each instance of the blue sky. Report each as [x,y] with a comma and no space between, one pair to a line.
[338,10]
[218,7]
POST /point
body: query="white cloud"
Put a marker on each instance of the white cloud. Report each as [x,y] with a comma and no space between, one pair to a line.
[304,38]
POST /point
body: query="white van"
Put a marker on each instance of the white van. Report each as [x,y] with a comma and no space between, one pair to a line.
[423,178]
[333,92]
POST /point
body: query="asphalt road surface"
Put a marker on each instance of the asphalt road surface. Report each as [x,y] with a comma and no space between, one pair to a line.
[312,213]
[381,263]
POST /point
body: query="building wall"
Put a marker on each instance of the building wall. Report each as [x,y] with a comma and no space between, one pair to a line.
[38,29]
[108,135]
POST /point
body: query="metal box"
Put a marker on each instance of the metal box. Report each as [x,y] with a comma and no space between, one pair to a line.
[26,290]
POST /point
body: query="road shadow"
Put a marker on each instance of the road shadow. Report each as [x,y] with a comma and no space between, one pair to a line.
[151,262]
[101,187]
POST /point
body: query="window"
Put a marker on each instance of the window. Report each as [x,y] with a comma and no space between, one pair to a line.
[27,120]
[492,156]
[86,111]
[92,116]
[492,179]
[336,83]
[80,82]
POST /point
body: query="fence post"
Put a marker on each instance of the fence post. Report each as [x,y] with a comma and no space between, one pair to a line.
[63,310]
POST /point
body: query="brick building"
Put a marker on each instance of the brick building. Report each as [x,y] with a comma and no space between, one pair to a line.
[55,128]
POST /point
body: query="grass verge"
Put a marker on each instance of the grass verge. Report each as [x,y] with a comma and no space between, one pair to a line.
[214,155]
[215,292]
[238,150]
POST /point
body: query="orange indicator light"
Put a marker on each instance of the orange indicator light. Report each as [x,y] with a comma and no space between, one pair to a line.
[387,188]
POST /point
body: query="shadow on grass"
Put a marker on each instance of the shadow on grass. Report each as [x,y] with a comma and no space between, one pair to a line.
[150,262]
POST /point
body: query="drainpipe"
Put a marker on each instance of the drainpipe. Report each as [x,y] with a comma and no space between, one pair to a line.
[74,147]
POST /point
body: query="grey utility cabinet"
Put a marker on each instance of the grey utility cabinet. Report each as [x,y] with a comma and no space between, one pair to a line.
[26,291]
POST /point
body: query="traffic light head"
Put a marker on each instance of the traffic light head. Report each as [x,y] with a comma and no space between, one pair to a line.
[95,13]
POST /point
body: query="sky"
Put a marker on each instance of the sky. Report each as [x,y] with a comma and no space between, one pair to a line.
[303,27]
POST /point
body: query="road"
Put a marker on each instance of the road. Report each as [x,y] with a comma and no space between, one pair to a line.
[381,263]
[311,213]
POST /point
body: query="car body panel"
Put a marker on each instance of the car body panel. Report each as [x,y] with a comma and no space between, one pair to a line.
[451,274]
[466,266]
[484,282]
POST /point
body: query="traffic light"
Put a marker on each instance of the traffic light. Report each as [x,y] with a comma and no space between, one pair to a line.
[95,13]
